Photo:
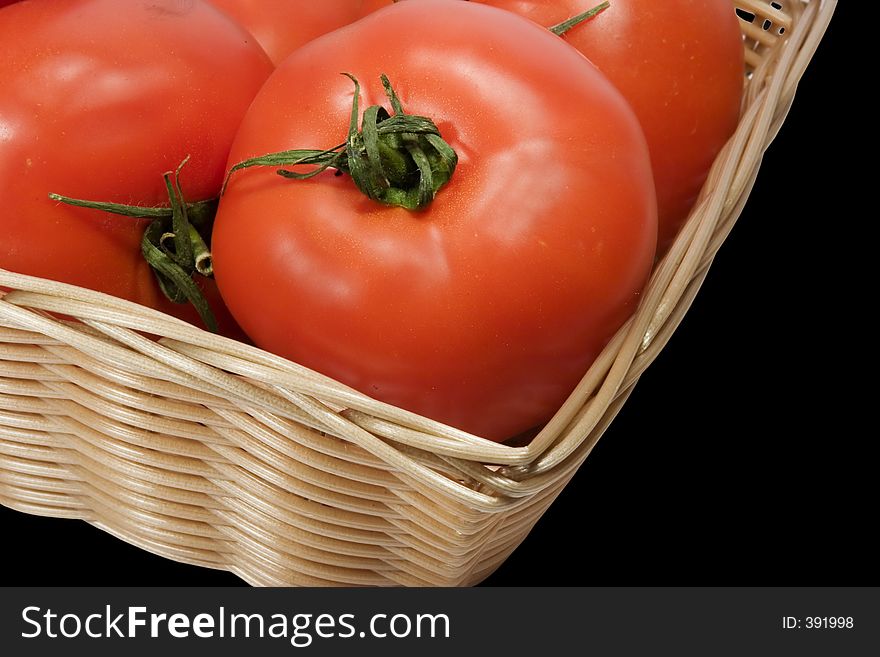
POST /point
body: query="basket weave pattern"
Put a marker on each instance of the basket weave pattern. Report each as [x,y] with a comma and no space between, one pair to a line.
[215,453]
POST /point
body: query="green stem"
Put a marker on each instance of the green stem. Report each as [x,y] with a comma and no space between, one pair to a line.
[203,261]
[397,159]
[183,251]
[566,25]
[199,213]
[176,282]
[201,254]
[174,244]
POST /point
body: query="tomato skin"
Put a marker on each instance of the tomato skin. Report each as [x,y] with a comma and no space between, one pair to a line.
[282,26]
[369,6]
[100,98]
[484,310]
[680,65]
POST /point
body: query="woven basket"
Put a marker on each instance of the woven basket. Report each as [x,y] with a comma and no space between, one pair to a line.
[214,453]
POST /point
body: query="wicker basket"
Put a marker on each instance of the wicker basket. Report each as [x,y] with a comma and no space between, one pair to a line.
[214,453]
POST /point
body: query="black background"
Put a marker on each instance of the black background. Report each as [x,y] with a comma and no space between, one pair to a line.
[743,455]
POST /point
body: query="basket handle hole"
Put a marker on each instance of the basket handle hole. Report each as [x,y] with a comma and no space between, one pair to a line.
[747,16]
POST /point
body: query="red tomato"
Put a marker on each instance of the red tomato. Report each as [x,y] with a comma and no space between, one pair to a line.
[369,6]
[100,97]
[484,310]
[282,26]
[679,63]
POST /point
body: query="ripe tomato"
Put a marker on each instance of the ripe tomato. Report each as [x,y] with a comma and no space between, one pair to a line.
[282,26]
[485,309]
[369,6]
[100,97]
[679,63]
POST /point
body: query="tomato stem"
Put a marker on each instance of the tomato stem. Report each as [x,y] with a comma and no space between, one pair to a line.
[398,159]
[174,244]
[200,213]
[566,25]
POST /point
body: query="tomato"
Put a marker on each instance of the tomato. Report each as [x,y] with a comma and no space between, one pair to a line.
[679,63]
[100,98]
[485,309]
[282,26]
[369,6]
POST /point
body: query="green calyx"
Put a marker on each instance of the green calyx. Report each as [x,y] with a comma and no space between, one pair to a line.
[175,243]
[397,159]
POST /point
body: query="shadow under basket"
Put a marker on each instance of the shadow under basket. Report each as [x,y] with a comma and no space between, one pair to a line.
[211,452]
